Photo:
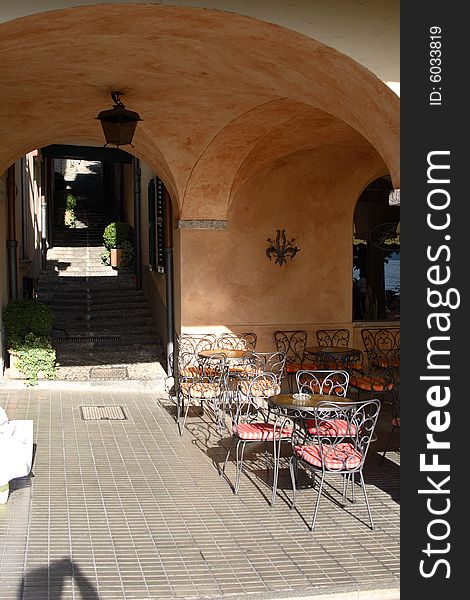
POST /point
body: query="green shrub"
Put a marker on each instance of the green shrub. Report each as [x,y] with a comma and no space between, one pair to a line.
[64,208]
[116,233]
[22,317]
[34,354]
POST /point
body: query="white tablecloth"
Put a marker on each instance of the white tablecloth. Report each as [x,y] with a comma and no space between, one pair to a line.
[16,448]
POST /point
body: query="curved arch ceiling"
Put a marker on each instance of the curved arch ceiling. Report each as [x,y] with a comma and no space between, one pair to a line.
[205,82]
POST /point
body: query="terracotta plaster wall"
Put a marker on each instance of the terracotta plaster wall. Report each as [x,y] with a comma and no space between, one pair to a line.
[228,283]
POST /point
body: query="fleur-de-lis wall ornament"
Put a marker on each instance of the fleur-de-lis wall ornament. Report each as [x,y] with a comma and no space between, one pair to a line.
[281,248]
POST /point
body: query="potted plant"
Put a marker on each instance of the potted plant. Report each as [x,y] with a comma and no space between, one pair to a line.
[118,240]
[29,326]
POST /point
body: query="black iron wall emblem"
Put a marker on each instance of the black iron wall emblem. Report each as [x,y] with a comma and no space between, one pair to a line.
[281,248]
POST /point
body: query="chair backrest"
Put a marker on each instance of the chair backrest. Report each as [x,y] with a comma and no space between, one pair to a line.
[269,362]
[209,380]
[337,424]
[195,342]
[292,343]
[333,337]
[233,341]
[382,346]
[214,367]
[251,394]
[330,382]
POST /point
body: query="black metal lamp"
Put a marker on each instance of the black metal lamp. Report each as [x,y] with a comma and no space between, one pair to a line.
[118,123]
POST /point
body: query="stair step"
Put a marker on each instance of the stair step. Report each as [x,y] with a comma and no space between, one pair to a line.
[103,328]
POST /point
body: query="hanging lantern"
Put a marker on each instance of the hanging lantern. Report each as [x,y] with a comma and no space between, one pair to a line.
[118,123]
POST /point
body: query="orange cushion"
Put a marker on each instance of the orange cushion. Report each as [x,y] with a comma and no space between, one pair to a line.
[369,383]
[294,367]
[390,362]
[340,457]
[190,371]
[200,390]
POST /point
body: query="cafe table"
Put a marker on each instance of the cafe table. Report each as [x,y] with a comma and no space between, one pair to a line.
[333,357]
[236,359]
[294,408]
[229,353]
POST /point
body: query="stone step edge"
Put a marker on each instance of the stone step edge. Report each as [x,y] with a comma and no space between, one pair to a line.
[158,385]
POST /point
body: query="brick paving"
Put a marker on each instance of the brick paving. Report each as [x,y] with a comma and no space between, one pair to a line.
[128,509]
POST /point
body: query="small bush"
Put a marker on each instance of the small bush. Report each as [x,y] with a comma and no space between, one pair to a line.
[22,317]
[116,233]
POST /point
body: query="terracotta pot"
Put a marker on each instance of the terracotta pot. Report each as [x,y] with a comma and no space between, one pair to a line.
[115,256]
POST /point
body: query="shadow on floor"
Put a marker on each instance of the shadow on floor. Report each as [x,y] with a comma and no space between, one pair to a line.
[50,581]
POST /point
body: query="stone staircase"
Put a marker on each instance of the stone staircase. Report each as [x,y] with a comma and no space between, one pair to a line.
[103,328]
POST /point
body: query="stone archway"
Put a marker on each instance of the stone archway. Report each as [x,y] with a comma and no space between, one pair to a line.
[225,100]
[198,77]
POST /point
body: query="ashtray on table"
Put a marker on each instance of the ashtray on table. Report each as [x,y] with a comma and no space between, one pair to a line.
[301,398]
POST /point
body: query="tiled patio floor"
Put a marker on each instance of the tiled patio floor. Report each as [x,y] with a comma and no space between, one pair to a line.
[131,510]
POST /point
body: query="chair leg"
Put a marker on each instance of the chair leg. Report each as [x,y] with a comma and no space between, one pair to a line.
[184,418]
[345,487]
[232,439]
[293,477]
[366,499]
[353,487]
[241,443]
[317,502]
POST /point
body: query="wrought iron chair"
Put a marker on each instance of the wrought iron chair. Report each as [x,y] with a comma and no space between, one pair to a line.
[382,346]
[233,341]
[202,381]
[293,343]
[326,382]
[382,372]
[195,342]
[250,422]
[270,362]
[339,447]
[186,358]
[333,337]
[337,338]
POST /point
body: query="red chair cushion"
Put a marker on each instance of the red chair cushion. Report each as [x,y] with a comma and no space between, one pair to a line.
[340,457]
[337,427]
[396,422]
[259,431]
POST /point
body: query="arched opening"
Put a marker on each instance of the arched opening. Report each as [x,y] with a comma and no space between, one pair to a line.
[276,100]
[376,255]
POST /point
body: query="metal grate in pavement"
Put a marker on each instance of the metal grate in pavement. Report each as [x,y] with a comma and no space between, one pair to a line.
[108,373]
[106,413]
[94,338]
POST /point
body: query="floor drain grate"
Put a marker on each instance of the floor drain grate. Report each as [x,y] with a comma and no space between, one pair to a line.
[81,339]
[102,413]
[108,373]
